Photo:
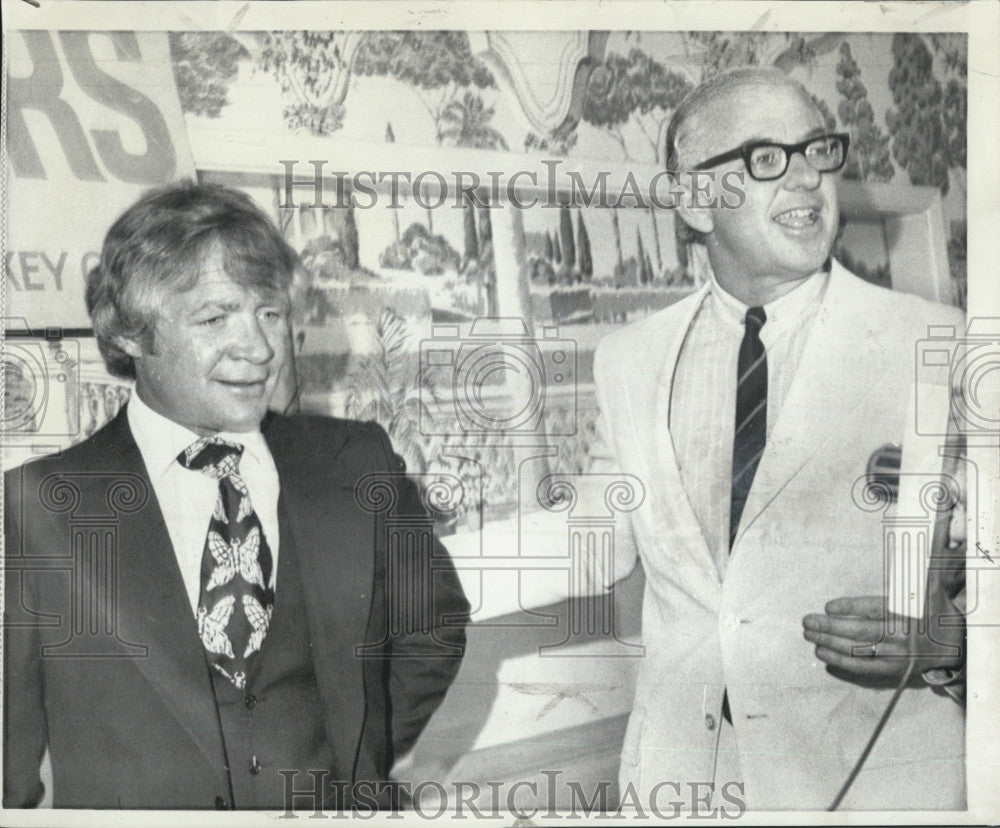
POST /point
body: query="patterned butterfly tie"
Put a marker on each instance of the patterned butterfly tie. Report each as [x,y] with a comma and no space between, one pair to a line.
[235,602]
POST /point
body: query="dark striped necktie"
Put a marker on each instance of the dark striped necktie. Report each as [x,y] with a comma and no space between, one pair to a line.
[751,414]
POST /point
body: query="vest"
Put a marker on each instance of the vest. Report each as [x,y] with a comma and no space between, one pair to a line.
[276,722]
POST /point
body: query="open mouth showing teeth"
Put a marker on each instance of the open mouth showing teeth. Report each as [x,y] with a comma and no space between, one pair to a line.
[798,218]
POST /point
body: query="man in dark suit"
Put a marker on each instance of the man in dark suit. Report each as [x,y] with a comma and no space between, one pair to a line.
[209,605]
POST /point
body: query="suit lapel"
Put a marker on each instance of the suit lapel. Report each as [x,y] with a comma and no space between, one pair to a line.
[154,609]
[826,381]
[687,546]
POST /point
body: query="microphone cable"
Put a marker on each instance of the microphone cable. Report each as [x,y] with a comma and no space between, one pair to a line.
[904,680]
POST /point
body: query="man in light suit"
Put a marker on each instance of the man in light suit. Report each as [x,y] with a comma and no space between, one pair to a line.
[228,634]
[750,410]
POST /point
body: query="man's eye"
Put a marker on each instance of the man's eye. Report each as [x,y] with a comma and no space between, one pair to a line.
[766,158]
[273,314]
[212,321]
[823,148]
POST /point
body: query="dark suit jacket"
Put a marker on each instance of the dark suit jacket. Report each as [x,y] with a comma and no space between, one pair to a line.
[125,704]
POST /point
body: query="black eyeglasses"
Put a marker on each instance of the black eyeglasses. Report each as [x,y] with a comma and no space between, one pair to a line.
[767,160]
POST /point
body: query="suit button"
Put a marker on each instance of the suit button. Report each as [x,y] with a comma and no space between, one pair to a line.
[710,721]
[220,804]
[255,766]
[250,701]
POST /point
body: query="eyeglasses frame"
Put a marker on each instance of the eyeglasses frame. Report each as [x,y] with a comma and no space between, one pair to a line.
[745,150]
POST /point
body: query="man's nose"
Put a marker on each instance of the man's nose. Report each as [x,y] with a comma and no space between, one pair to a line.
[801,173]
[251,342]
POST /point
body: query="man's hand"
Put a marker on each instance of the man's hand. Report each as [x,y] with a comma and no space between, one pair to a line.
[858,635]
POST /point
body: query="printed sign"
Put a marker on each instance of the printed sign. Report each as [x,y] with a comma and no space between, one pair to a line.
[93,120]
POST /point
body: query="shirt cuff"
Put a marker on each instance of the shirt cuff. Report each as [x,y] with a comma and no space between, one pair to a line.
[949,679]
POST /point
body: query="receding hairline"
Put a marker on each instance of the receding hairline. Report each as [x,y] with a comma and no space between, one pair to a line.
[691,112]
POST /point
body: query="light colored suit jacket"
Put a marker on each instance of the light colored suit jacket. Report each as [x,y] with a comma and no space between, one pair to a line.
[803,540]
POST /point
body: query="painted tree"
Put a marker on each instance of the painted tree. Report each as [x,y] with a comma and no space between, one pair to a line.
[302,63]
[390,138]
[557,255]
[958,261]
[438,65]
[869,158]
[205,63]
[927,121]
[617,233]
[633,88]
[305,65]
[388,386]
[645,272]
[566,243]
[349,238]
[465,122]
[953,48]
[583,255]
[471,236]
[487,262]
[549,247]
[656,237]
[560,144]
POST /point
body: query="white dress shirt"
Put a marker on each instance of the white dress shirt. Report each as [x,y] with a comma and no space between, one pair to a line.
[187,497]
[703,397]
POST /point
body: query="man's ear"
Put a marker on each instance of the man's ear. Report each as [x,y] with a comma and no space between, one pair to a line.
[130,346]
[693,206]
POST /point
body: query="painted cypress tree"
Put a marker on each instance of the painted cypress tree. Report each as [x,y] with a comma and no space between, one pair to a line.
[390,138]
[583,249]
[644,273]
[618,237]
[566,237]
[350,239]
[471,236]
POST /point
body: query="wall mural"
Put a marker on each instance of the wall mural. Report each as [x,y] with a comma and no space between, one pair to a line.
[902,96]
[380,280]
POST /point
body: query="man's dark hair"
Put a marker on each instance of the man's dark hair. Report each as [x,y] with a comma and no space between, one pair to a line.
[159,245]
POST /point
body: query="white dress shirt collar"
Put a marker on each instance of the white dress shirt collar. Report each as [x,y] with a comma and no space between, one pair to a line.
[784,313]
[161,440]
[187,498]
